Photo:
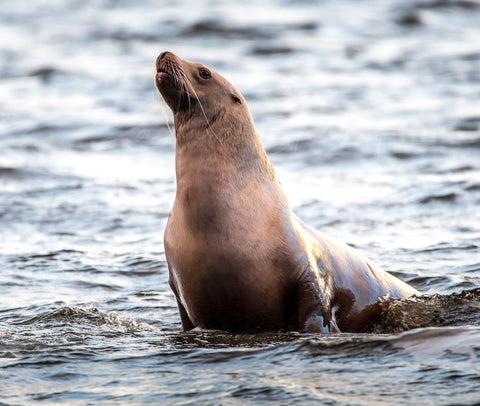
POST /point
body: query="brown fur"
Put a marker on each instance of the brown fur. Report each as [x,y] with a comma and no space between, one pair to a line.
[238,258]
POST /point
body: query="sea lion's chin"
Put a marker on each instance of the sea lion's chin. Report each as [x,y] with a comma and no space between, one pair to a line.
[161,77]
[166,85]
[175,98]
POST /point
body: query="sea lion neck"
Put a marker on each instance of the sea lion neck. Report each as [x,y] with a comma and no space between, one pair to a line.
[210,153]
[228,137]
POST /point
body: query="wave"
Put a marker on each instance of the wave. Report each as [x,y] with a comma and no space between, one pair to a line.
[432,343]
[86,317]
[439,310]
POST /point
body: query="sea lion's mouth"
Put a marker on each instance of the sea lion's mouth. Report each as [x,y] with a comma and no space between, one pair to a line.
[169,72]
[162,70]
[163,74]
[164,80]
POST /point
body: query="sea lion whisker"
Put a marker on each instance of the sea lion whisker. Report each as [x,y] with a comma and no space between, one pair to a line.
[163,103]
[181,79]
[178,76]
[185,79]
[165,115]
[185,85]
[209,127]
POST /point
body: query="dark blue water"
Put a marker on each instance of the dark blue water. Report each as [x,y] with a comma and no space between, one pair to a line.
[370,113]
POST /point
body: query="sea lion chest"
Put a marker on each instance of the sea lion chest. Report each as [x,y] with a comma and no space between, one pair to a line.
[230,255]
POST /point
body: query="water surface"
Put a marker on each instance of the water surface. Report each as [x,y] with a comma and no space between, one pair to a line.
[370,113]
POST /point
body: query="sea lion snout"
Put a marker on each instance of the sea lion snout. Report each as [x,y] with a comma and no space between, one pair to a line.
[161,57]
[170,78]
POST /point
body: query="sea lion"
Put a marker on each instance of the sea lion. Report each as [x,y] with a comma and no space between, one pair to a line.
[239,259]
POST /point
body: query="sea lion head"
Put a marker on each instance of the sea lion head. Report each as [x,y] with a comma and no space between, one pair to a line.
[198,95]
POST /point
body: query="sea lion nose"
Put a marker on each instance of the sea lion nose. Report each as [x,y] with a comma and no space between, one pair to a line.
[162,55]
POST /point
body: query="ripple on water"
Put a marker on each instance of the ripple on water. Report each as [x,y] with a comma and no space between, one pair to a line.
[377,131]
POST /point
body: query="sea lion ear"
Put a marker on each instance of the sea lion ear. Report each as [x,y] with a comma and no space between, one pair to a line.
[236,99]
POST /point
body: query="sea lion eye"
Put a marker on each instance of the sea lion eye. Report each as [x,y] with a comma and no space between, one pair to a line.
[205,73]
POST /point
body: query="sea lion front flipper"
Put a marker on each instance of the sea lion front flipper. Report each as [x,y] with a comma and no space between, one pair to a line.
[308,309]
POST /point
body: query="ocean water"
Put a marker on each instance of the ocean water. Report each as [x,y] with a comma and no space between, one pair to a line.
[370,112]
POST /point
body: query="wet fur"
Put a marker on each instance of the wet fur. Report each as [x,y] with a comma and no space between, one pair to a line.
[239,259]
